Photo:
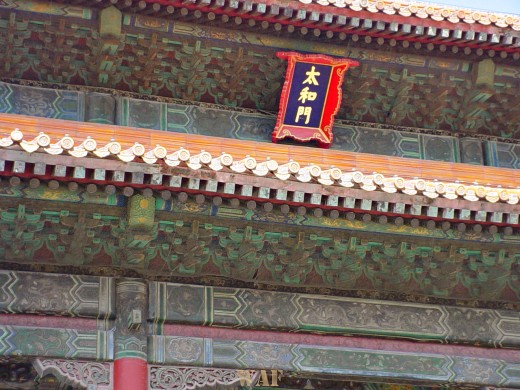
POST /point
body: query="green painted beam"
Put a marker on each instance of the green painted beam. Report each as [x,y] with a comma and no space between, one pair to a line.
[292,312]
[431,368]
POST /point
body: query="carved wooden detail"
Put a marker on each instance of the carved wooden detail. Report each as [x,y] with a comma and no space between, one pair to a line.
[188,378]
[87,375]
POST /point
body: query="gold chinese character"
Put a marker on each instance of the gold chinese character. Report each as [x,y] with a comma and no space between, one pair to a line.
[303,111]
[305,95]
[311,76]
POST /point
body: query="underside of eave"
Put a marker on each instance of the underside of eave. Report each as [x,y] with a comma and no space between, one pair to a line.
[427,14]
[416,22]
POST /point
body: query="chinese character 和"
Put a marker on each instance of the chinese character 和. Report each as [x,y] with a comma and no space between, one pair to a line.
[305,95]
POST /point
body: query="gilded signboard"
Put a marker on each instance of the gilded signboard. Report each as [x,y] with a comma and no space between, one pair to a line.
[310,98]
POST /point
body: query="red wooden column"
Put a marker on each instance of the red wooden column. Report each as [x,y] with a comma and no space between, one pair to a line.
[130,365]
[130,374]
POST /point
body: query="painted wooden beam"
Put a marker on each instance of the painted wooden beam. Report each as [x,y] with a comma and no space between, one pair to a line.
[200,346]
[291,312]
[57,294]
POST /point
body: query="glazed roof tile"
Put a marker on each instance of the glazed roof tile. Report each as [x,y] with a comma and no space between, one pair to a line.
[282,170]
[435,12]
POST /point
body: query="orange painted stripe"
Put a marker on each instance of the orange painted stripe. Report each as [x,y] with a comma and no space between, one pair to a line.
[366,163]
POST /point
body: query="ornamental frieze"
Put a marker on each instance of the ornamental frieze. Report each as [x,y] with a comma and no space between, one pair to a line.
[61,343]
[78,374]
[337,360]
[270,310]
[63,295]
[292,256]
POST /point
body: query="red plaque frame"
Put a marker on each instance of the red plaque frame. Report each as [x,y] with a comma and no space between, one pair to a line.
[323,132]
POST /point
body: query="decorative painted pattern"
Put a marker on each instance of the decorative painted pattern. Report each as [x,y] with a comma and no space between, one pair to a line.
[501,154]
[141,212]
[258,127]
[271,247]
[423,367]
[130,336]
[78,374]
[184,378]
[238,124]
[83,226]
[284,171]
[55,343]
[69,295]
[256,309]
[48,8]
[44,102]
[210,65]
[189,378]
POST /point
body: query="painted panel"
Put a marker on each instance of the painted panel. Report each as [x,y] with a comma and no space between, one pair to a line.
[64,10]
[471,151]
[18,341]
[439,148]
[423,367]
[256,309]
[508,155]
[376,141]
[43,102]
[66,295]
[101,108]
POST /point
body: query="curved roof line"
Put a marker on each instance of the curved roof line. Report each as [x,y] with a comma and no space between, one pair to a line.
[423,10]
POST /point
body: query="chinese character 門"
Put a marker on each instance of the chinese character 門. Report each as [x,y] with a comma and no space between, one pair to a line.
[303,111]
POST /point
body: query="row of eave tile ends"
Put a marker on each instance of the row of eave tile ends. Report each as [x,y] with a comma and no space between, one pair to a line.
[436,12]
[291,170]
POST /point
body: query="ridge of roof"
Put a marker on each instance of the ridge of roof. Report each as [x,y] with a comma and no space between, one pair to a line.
[423,10]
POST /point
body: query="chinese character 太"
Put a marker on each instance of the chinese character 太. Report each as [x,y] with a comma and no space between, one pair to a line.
[311,76]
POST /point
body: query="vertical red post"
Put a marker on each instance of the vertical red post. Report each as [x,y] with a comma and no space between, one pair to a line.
[130,374]
[130,364]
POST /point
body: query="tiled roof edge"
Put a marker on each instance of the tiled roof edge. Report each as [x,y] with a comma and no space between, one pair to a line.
[422,10]
[284,171]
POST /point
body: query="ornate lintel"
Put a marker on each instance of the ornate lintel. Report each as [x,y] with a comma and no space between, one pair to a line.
[87,375]
[188,378]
